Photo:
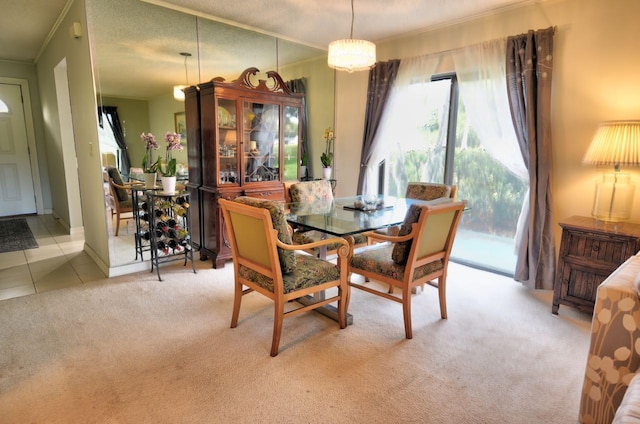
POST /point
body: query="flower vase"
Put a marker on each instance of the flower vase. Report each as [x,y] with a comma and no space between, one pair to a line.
[303,172]
[326,173]
[168,184]
[149,179]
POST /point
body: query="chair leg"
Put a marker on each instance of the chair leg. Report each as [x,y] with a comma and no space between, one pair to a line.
[348,296]
[278,317]
[117,224]
[406,310]
[237,299]
[442,295]
[342,305]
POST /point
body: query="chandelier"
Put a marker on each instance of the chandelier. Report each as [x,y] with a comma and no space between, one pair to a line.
[351,55]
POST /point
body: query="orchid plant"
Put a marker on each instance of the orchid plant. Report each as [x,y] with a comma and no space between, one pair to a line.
[148,165]
[173,143]
[327,156]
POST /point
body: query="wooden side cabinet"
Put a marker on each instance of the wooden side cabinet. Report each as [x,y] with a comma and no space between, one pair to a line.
[590,250]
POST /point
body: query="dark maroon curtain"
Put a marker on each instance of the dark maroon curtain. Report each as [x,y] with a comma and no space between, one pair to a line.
[118,132]
[381,78]
[529,65]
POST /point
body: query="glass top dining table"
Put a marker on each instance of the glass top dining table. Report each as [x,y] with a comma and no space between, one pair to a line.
[341,217]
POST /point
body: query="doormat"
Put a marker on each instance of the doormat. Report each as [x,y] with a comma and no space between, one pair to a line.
[15,234]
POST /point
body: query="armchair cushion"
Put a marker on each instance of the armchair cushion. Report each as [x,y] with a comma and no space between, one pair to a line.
[377,258]
[401,250]
[309,272]
[114,174]
[304,237]
[276,210]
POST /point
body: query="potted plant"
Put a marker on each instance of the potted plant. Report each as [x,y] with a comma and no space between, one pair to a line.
[149,166]
[169,170]
[327,156]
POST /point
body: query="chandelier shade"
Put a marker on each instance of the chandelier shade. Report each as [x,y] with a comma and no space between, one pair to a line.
[351,55]
[178,94]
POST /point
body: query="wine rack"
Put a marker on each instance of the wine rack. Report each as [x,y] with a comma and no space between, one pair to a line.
[167,228]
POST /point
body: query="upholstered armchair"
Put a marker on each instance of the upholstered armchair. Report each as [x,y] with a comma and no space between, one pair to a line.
[121,196]
[424,191]
[418,255]
[315,195]
[265,262]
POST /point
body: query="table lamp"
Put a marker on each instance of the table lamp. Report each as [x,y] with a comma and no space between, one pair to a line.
[616,143]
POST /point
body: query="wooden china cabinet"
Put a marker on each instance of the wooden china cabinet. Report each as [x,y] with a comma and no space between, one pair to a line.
[248,146]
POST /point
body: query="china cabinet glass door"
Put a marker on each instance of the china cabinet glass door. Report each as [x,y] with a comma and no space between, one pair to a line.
[261,142]
[228,143]
[291,132]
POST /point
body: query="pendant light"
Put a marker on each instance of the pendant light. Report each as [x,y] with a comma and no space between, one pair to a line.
[178,94]
[351,55]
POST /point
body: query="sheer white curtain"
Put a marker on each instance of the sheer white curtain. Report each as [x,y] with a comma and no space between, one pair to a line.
[482,75]
[400,122]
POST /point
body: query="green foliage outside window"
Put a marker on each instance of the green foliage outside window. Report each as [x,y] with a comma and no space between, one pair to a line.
[493,194]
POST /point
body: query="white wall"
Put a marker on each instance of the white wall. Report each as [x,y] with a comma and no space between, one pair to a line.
[162,112]
[595,78]
[84,115]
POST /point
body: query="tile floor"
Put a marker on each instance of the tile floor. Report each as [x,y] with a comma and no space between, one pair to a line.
[59,261]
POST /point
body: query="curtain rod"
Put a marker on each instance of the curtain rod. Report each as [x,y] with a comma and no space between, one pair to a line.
[554,27]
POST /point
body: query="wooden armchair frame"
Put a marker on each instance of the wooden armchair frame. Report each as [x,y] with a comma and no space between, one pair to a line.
[121,206]
[254,246]
[431,239]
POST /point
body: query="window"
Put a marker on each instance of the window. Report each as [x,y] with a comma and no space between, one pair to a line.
[434,141]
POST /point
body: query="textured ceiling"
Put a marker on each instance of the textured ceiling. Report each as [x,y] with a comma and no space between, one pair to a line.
[136,43]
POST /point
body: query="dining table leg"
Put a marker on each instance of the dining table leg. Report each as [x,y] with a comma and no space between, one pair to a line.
[329,311]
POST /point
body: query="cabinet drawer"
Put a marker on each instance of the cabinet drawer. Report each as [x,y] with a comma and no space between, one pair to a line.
[601,248]
[277,195]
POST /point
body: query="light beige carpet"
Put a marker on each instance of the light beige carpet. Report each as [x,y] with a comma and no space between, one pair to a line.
[132,349]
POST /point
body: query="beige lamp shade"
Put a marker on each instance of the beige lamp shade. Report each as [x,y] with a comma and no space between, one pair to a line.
[615,143]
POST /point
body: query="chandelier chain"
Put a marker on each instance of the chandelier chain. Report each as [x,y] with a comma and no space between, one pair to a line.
[352,17]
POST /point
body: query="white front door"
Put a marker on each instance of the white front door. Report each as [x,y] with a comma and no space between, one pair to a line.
[17,195]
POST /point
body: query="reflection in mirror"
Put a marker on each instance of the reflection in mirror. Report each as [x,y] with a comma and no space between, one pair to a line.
[136,50]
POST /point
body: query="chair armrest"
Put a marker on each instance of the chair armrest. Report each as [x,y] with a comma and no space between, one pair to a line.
[126,186]
[394,239]
[312,245]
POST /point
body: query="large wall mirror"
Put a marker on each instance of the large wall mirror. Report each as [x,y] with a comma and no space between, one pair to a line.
[136,56]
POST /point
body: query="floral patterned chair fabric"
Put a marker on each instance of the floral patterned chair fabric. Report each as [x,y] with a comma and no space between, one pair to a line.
[276,210]
[256,261]
[614,354]
[432,238]
[311,192]
[315,195]
[429,191]
[424,191]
